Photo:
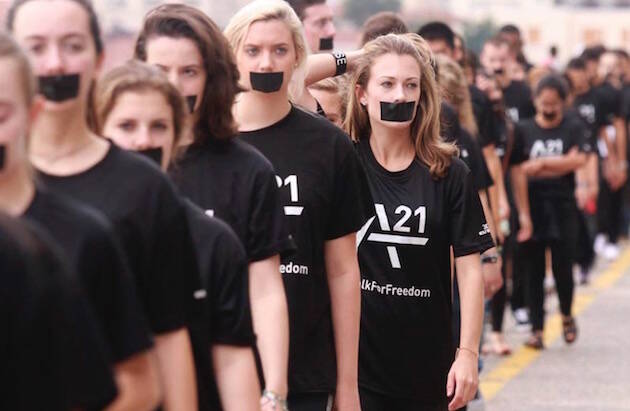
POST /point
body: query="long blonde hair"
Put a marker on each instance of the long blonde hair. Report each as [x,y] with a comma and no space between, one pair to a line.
[425,128]
[266,10]
[454,89]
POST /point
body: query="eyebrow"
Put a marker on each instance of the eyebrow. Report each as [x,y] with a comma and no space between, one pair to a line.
[273,45]
[64,37]
[396,78]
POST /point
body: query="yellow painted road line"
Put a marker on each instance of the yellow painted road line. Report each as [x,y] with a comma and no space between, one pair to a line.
[494,381]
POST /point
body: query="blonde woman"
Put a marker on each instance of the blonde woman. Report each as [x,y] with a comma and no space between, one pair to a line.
[320,178]
[425,204]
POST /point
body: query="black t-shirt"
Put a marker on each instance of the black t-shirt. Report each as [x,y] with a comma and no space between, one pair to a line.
[150,222]
[590,107]
[484,116]
[234,182]
[52,353]
[610,102]
[85,237]
[518,101]
[532,141]
[406,346]
[224,316]
[322,194]
[625,102]
[449,122]
[470,153]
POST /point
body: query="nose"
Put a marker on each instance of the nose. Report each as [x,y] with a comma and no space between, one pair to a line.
[142,138]
[399,94]
[330,29]
[53,63]
[265,64]
[173,78]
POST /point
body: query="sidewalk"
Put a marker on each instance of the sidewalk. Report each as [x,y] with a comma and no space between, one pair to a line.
[591,375]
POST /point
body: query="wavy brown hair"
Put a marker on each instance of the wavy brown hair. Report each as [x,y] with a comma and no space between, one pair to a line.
[454,88]
[215,118]
[425,128]
[136,76]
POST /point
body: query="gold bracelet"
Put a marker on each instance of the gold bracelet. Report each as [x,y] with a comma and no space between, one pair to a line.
[475,353]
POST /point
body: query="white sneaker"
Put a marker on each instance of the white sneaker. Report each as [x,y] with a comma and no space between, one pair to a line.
[599,244]
[521,316]
[611,252]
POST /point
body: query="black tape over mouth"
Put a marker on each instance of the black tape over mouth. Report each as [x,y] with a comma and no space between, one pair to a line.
[326,43]
[2,156]
[191,102]
[266,82]
[154,154]
[398,112]
[59,88]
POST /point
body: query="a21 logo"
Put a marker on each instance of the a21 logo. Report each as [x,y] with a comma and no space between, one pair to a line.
[391,237]
[291,182]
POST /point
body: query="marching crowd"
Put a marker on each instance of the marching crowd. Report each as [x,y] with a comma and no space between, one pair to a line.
[250,219]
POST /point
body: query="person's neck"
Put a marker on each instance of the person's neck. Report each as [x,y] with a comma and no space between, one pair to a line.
[16,190]
[393,149]
[540,120]
[504,82]
[254,110]
[57,133]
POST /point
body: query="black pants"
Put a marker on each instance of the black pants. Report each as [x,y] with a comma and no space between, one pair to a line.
[532,258]
[498,301]
[609,207]
[584,254]
[310,401]
[373,401]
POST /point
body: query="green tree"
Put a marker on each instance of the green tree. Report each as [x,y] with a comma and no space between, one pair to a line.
[475,34]
[358,11]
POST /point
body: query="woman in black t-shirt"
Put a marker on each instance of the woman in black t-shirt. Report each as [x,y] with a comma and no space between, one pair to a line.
[83,236]
[425,205]
[550,147]
[53,355]
[320,179]
[140,110]
[63,43]
[225,177]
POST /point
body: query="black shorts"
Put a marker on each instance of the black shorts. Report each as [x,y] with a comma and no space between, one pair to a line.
[310,402]
[373,401]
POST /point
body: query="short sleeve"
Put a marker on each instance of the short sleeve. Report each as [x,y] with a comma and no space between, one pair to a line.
[230,311]
[581,136]
[173,272]
[468,230]
[112,294]
[267,233]
[351,200]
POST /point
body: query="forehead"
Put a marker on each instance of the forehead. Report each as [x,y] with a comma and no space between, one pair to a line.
[142,104]
[549,94]
[395,65]
[318,11]
[178,51]
[268,32]
[51,18]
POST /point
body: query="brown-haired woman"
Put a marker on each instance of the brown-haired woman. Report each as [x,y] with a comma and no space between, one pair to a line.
[137,107]
[425,203]
[83,235]
[226,177]
[62,41]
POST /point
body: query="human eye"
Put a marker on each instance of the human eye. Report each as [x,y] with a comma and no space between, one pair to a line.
[281,51]
[251,51]
[127,125]
[159,126]
[386,84]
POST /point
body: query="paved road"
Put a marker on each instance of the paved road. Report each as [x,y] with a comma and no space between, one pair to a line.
[592,375]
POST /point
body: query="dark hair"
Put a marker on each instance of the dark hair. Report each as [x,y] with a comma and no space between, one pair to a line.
[553,82]
[593,53]
[299,6]
[471,60]
[622,54]
[436,30]
[510,29]
[576,63]
[553,50]
[95,28]
[382,23]
[182,21]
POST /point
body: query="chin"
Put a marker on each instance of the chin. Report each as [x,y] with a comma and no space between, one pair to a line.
[395,125]
[59,107]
